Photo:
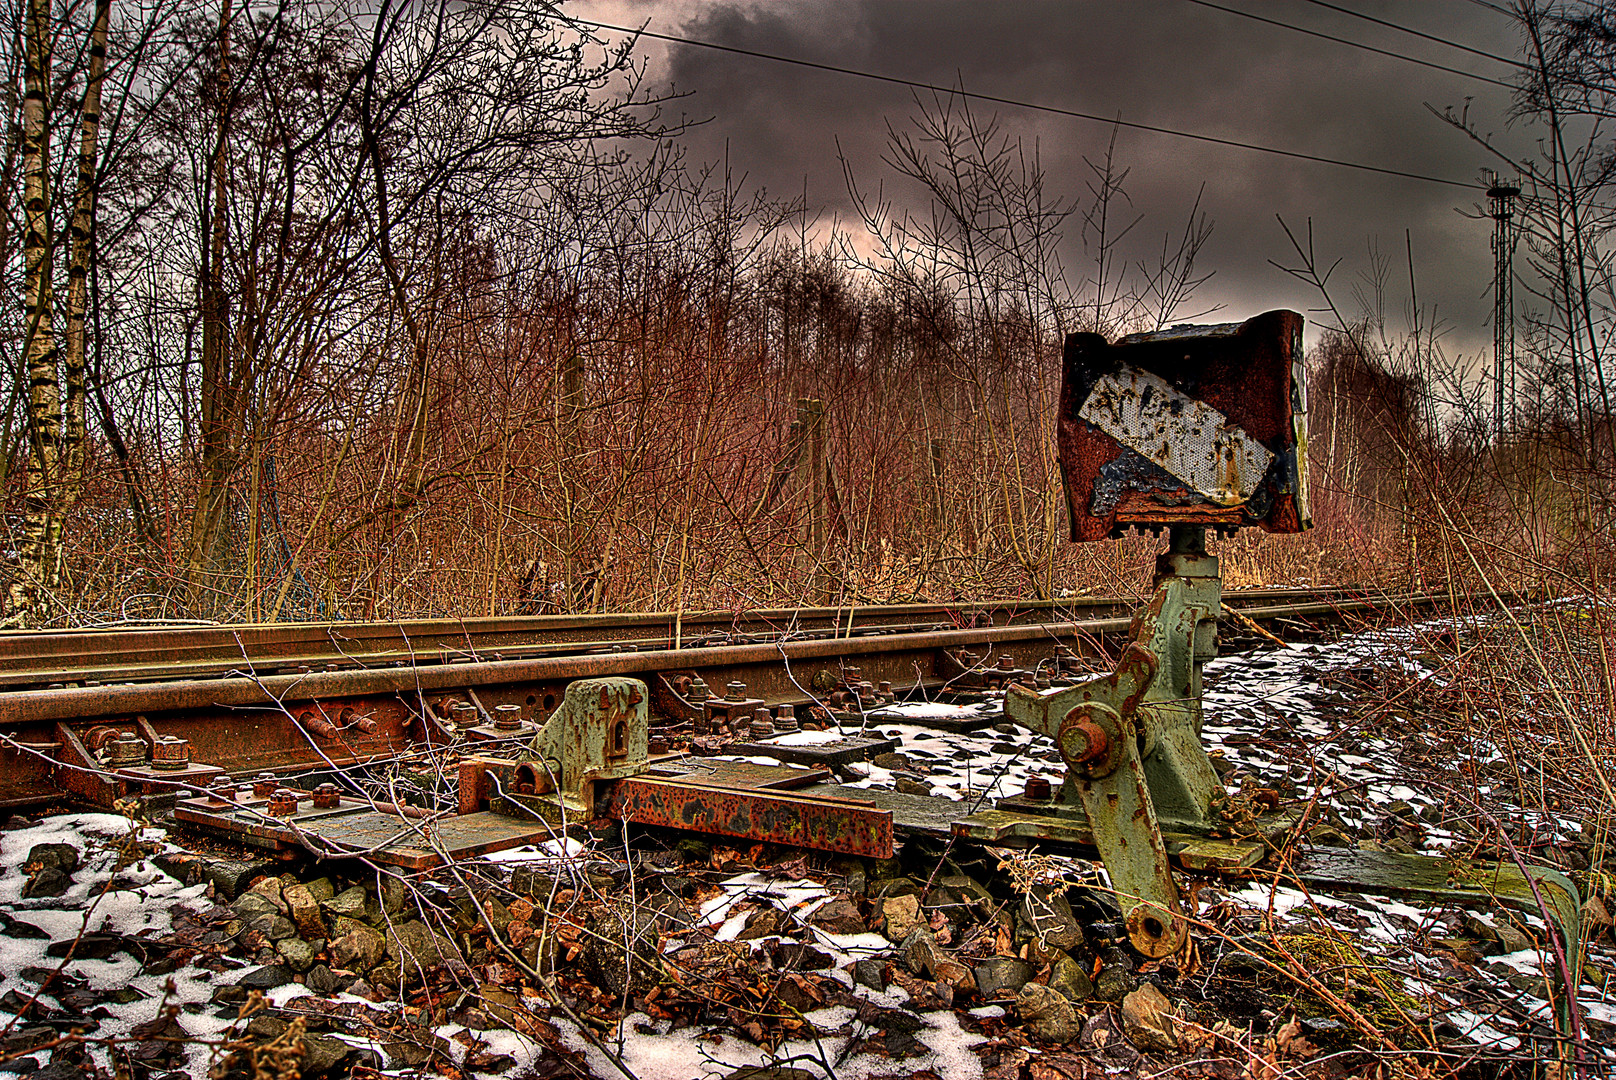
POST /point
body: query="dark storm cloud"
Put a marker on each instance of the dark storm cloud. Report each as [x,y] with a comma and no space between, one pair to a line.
[1164,62]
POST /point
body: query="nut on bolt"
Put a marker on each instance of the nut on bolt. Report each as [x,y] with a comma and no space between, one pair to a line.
[507,717]
[327,797]
[282,803]
[265,785]
[169,752]
[125,748]
[222,792]
[1084,742]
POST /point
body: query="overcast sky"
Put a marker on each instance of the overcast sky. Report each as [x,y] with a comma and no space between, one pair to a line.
[1170,63]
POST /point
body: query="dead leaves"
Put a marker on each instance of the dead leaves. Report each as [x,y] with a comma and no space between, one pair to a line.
[1272,1057]
[762,1002]
[1289,1041]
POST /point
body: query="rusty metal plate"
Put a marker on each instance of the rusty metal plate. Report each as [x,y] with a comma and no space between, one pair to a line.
[152,779]
[840,752]
[1200,425]
[739,774]
[823,824]
[413,844]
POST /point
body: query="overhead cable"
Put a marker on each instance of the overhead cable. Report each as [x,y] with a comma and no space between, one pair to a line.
[996,99]
[1352,43]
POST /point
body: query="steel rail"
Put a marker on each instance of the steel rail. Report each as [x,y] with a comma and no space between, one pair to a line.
[108,655]
[250,720]
[245,687]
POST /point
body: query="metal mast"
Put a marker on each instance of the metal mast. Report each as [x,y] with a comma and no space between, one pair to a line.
[1499,199]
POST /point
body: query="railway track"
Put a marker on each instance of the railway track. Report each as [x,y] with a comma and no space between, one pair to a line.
[281,696]
[100,656]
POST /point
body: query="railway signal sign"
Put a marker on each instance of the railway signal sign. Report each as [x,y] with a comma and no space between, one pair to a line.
[1196,425]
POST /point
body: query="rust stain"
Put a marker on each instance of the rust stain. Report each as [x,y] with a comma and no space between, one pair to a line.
[819,823]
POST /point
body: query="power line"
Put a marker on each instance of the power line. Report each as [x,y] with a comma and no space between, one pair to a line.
[998,100]
[1422,34]
[1350,42]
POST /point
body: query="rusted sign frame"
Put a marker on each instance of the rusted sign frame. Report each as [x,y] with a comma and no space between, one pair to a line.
[1138,417]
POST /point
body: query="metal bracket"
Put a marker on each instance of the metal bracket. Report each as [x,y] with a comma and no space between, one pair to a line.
[601,732]
[1132,742]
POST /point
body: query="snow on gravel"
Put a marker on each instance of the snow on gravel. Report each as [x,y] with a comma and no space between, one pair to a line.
[1273,715]
[137,905]
[1268,714]
[652,1050]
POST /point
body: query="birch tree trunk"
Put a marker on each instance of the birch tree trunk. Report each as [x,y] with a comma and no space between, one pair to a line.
[39,565]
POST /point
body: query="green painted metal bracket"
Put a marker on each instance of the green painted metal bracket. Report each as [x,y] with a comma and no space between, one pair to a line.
[601,732]
[1132,741]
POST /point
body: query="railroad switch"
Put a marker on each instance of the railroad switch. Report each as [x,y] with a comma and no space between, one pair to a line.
[1191,428]
[1186,430]
[1131,742]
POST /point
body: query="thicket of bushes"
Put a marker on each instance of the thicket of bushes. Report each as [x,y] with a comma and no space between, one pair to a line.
[377,354]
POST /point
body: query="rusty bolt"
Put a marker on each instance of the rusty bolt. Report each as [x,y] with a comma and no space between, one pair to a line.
[265,785]
[222,792]
[658,744]
[1037,787]
[762,726]
[327,797]
[1007,663]
[885,690]
[1084,742]
[787,720]
[508,717]
[316,722]
[852,675]
[96,737]
[736,691]
[282,803]
[171,753]
[125,748]
[698,690]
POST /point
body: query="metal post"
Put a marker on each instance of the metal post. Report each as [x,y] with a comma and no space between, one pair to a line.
[1499,198]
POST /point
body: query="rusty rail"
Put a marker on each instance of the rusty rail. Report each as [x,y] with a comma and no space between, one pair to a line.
[284,721]
[151,654]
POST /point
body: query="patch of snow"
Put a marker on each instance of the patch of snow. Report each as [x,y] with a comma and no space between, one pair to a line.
[551,851]
[806,738]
